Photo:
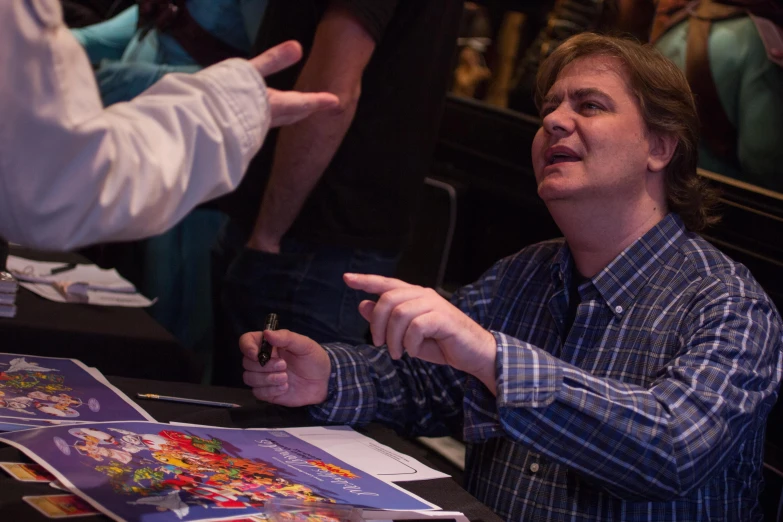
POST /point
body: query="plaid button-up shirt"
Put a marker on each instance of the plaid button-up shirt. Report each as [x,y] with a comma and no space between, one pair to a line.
[651,407]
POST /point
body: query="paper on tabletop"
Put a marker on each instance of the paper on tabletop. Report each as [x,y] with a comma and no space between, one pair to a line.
[103,287]
[367,454]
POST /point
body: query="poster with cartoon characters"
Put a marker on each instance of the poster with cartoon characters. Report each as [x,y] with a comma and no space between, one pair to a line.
[38,389]
[23,424]
[154,472]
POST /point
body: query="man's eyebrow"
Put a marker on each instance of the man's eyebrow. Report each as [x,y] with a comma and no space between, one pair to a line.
[587,92]
[579,94]
[553,99]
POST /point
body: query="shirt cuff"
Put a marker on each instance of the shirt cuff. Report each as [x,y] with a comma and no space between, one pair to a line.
[244,90]
[481,420]
[351,397]
[528,377]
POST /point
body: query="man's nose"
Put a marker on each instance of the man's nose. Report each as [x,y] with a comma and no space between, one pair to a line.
[559,121]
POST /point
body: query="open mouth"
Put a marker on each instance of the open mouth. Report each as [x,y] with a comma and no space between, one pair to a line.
[562,158]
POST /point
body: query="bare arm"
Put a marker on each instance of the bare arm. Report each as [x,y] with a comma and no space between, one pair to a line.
[341,50]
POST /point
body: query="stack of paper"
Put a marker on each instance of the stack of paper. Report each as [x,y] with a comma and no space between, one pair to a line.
[76,283]
[8,288]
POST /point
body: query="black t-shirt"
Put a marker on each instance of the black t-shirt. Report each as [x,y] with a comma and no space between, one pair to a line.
[366,195]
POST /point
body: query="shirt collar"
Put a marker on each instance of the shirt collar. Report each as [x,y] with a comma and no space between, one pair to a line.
[622,279]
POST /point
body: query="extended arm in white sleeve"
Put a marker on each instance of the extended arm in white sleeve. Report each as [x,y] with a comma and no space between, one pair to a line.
[73,173]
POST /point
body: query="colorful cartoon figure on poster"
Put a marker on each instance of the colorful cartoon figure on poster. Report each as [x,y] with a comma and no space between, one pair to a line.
[27,387]
[62,399]
[21,365]
[102,453]
[173,470]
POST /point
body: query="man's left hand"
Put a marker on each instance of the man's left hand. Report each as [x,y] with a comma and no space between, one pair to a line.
[416,320]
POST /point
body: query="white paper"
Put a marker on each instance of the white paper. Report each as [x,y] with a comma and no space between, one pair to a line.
[379,516]
[451,449]
[366,454]
[98,286]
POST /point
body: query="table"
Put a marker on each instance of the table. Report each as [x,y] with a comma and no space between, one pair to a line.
[446,493]
[117,340]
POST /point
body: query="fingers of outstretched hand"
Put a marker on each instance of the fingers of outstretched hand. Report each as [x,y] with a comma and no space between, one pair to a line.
[393,307]
[277,58]
[403,317]
[366,308]
[418,338]
[289,107]
[373,284]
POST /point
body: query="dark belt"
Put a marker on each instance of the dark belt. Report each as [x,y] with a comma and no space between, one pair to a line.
[173,18]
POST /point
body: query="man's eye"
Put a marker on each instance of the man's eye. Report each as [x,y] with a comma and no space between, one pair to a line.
[591,106]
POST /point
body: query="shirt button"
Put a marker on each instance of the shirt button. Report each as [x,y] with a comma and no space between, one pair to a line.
[618,309]
[534,467]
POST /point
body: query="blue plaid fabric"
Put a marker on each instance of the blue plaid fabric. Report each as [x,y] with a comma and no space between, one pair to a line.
[651,407]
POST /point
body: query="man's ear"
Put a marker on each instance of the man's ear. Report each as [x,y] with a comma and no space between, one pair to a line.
[662,147]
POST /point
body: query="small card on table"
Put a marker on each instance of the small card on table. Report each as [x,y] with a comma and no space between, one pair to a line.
[27,472]
[60,506]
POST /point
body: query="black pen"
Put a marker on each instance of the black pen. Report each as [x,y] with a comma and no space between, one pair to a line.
[61,269]
[265,350]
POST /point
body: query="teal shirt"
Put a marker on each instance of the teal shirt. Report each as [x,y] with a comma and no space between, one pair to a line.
[750,88]
[130,64]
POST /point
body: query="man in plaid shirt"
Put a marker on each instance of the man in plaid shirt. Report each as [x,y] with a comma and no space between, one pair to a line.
[622,373]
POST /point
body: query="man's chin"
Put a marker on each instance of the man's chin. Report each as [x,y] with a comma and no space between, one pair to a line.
[552,190]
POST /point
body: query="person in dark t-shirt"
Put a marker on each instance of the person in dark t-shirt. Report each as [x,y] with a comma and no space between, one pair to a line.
[334,193]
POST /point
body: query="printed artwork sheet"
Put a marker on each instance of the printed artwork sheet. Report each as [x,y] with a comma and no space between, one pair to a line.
[14,424]
[141,471]
[367,454]
[36,390]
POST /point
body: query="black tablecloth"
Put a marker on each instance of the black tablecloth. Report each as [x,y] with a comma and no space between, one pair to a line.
[116,340]
[445,493]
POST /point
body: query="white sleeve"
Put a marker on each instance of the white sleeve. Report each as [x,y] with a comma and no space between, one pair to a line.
[73,173]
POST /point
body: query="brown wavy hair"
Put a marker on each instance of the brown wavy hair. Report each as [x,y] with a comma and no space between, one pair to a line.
[667,107]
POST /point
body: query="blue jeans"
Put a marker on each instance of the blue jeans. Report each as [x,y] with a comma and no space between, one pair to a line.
[303,285]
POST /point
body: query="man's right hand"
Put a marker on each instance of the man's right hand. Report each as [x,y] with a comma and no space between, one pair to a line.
[296,375]
[287,107]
